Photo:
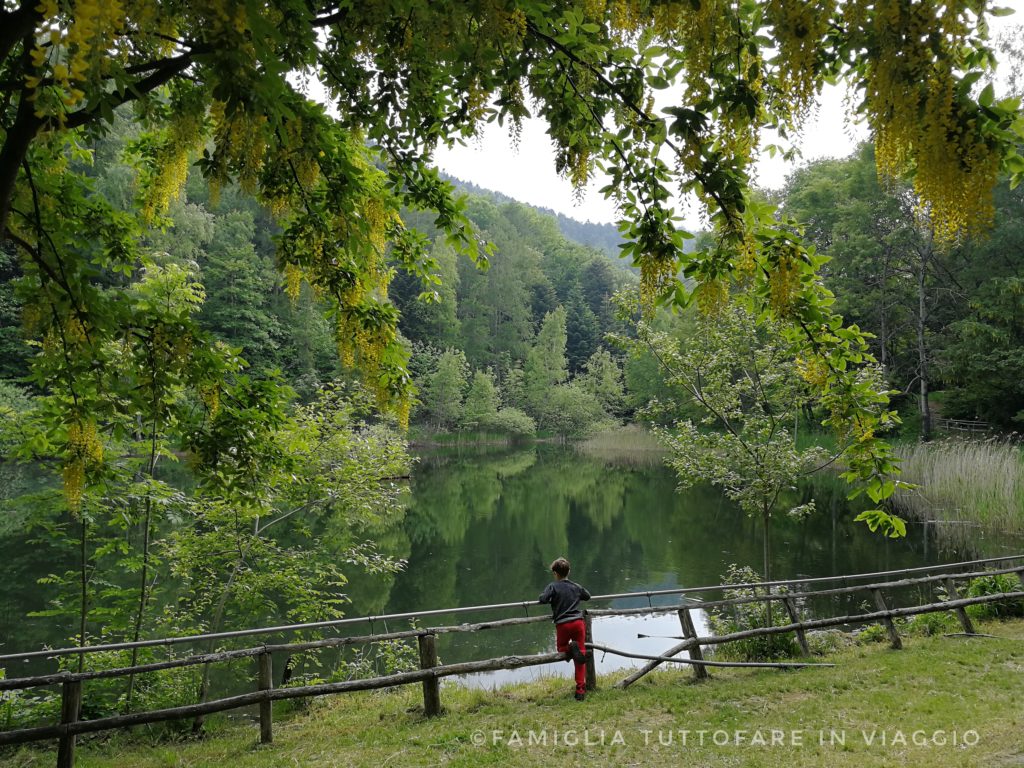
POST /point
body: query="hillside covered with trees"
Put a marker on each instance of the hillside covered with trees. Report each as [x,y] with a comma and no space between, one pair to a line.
[223,302]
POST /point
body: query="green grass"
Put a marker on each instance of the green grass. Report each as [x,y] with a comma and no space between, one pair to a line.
[935,685]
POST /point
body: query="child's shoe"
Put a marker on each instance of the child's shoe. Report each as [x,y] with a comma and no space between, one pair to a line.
[575,653]
[579,696]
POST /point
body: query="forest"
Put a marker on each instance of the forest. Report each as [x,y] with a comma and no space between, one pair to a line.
[228,309]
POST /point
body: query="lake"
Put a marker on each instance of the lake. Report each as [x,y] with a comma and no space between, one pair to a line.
[481,527]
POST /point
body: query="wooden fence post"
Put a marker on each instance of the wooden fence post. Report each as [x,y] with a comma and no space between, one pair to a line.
[894,636]
[70,705]
[431,686]
[700,672]
[965,620]
[266,683]
[794,617]
[591,663]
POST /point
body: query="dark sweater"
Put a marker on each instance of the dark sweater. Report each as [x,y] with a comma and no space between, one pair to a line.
[564,597]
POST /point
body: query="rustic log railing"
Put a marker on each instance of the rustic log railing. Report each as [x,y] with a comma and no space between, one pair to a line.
[963,425]
[430,672]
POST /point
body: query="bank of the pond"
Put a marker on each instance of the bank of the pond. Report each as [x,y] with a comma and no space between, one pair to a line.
[941,701]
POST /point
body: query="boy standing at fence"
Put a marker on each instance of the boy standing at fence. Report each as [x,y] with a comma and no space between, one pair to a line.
[570,632]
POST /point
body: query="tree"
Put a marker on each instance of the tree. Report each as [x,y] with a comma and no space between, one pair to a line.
[557,404]
[431,316]
[444,390]
[481,406]
[582,332]
[239,287]
[546,366]
[981,362]
[215,79]
[603,379]
[14,354]
[749,394]
[885,269]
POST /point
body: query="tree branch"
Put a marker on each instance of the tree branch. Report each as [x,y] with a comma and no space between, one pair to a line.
[17,25]
[163,72]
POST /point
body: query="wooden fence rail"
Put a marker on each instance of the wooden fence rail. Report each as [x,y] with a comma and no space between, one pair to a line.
[963,425]
[167,642]
[430,672]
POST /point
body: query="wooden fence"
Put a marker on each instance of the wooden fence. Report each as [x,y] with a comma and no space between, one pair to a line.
[962,425]
[430,672]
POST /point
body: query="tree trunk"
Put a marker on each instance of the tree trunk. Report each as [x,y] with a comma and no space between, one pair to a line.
[767,559]
[922,351]
[883,319]
[84,578]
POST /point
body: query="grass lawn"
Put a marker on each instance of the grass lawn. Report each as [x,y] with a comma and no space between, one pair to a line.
[960,699]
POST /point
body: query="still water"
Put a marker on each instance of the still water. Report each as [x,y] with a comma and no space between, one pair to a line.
[482,527]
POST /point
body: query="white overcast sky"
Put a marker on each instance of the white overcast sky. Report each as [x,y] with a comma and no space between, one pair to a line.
[527,172]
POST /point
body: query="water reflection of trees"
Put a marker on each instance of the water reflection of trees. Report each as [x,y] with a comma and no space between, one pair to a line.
[483,528]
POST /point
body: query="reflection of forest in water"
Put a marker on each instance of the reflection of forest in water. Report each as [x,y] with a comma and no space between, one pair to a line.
[481,528]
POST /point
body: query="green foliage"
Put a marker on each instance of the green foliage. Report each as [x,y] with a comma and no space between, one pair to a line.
[556,404]
[602,378]
[279,489]
[513,422]
[389,657]
[14,355]
[873,633]
[928,624]
[400,80]
[481,406]
[983,353]
[444,389]
[755,615]
[239,286]
[993,585]
[749,393]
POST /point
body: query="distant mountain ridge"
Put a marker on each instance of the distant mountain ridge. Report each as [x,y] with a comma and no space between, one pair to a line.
[599,236]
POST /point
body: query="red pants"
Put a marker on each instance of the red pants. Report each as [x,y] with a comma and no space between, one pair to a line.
[573,630]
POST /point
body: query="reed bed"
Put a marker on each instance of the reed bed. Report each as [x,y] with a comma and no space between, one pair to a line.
[630,444]
[971,482]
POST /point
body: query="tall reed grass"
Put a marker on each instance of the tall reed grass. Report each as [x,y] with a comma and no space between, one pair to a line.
[978,482]
[629,444]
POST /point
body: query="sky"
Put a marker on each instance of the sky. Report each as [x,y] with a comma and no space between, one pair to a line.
[527,172]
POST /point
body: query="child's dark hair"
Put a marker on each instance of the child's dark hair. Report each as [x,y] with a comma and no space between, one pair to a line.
[561,567]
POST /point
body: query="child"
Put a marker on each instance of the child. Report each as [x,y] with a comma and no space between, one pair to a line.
[570,632]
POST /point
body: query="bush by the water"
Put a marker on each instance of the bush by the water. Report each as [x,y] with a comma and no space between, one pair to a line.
[757,615]
[995,584]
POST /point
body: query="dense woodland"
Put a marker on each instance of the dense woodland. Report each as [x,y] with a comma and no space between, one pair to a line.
[521,338]
[490,345]
[223,302]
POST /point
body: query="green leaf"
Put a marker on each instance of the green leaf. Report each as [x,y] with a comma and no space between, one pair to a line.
[879,520]
[987,96]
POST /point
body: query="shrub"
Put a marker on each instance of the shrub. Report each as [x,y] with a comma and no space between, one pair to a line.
[929,624]
[995,584]
[512,421]
[873,633]
[739,618]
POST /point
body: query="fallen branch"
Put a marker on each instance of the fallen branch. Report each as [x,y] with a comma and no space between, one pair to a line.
[705,663]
